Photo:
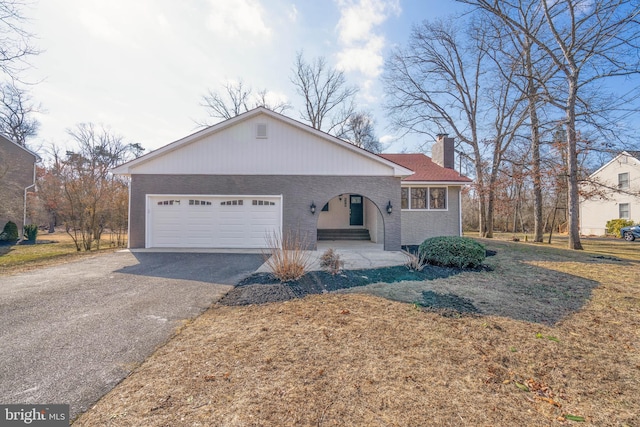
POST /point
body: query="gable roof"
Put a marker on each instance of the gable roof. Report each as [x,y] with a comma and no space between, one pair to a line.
[426,170]
[7,141]
[633,154]
[188,143]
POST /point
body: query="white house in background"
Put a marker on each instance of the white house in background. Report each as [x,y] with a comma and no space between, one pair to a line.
[230,185]
[615,193]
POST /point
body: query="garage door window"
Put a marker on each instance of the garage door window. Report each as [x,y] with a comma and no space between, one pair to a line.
[262,203]
[200,202]
[168,202]
[231,203]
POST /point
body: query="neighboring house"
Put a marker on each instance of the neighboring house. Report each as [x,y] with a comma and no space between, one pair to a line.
[17,175]
[231,184]
[614,192]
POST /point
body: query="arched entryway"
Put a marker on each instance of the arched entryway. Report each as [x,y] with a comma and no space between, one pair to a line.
[350,216]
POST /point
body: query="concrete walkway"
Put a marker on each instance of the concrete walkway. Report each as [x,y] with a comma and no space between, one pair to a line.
[356,255]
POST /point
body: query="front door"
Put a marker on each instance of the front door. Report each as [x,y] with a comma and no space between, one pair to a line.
[355,210]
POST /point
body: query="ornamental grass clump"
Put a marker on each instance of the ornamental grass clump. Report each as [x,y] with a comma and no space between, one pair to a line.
[331,262]
[452,251]
[287,256]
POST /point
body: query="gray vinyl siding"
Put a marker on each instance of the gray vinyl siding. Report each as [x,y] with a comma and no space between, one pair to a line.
[419,225]
[297,194]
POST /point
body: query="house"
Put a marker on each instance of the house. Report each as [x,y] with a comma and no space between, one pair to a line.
[17,175]
[613,192]
[231,184]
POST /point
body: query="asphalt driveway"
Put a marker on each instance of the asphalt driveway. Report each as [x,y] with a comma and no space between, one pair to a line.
[71,332]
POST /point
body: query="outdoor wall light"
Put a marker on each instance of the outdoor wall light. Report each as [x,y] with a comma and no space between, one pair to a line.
[389,207]
[313,208]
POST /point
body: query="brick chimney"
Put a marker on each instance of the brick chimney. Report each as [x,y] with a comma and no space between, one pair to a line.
[442,151]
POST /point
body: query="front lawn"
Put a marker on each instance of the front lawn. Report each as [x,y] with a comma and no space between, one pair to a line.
[50,248]
[360,359]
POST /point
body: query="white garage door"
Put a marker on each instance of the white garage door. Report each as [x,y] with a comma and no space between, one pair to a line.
[212,221]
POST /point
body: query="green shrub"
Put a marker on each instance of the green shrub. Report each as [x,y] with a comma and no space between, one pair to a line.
[31,232]
[10,232]
[453,251]
[614,225]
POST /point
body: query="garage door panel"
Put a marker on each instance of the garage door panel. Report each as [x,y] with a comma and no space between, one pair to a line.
[212,221]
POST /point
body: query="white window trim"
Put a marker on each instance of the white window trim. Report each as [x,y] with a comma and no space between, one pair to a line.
[627,182]
[628,210]
[446,196]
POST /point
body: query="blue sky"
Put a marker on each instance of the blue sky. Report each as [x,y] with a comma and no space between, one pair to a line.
[141,67]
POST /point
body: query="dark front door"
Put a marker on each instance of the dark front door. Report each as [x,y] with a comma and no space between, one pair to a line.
[355,210]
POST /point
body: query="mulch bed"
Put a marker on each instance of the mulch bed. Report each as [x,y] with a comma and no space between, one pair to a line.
[260,288]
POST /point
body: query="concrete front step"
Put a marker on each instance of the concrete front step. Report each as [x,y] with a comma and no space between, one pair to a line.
[344,234]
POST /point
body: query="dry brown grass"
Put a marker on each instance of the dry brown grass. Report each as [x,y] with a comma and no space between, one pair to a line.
[363,360]
[19,258]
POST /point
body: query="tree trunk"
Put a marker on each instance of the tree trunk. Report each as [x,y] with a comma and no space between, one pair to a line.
[489,217]
[532,94]
[573,201]
[538,228]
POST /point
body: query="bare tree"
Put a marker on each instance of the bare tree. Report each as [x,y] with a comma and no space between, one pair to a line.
[359,131]
[436,83]
[236,98]
[587,42]
[328,100]
[16,114]
[88,188]
[15,41]
[528,69]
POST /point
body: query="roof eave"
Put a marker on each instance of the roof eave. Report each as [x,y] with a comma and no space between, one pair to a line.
[126,168]
[405,182]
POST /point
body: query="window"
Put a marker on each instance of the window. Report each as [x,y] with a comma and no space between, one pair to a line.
[418,198]
[624,210]
[261,131]
[325,208]
[423,198]
[199,202]
[438,198]
[623,181]
[404,198]
[262,203]
[231,202]
[168,202]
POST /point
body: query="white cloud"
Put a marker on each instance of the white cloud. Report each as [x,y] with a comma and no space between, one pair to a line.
[360,39]
[365,58]
[293,13]
[99,25]
[232,19]
[358,18]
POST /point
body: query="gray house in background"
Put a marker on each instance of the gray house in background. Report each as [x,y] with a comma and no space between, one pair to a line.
[231,184]
[17,175]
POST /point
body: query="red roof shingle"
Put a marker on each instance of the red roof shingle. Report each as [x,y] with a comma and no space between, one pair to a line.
[425,169]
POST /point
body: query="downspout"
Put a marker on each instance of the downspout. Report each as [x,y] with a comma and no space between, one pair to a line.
[24,211]
[460,209]
[129,215]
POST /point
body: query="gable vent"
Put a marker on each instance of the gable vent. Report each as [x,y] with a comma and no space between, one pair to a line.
[261,131]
